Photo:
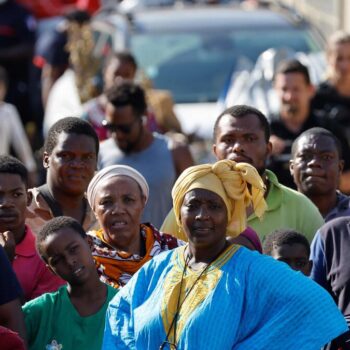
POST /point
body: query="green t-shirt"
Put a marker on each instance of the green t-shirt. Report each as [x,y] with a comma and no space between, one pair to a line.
[53,323]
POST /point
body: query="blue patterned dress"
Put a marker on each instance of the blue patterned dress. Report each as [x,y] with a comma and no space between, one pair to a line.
[244,301]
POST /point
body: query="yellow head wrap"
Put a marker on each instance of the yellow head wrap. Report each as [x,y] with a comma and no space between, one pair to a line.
[230,180]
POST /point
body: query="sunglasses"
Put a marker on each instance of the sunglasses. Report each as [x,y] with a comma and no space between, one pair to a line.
[124,128]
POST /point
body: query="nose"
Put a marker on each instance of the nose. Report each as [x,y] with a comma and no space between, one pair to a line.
[314,162]
[77,163]
[71,261]
[117,208]
[237,147]
[203,213]
[5,202]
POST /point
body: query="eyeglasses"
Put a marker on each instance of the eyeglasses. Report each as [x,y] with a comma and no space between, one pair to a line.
[124,128]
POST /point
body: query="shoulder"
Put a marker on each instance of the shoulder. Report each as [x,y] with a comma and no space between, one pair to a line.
[336,228]
[44,302]
[167,241]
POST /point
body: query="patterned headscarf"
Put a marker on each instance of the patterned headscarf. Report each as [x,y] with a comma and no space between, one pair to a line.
[238,184]
[111,171]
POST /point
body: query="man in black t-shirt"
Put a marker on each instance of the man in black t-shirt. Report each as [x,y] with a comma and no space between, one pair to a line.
[295,92]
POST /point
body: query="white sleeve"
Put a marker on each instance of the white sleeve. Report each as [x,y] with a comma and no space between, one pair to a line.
[19,139]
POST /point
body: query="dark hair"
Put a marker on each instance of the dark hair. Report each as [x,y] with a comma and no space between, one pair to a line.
[317,131]
[69,125]
[241,111]
[125,93]
[124,57]
[55,225]
[11,165]
[293,66]
[3,76]
[76,15]
[284,236]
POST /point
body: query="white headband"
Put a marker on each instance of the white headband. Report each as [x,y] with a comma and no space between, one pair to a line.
[111,171]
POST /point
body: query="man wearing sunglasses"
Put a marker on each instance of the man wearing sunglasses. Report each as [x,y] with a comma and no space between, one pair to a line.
[159,159]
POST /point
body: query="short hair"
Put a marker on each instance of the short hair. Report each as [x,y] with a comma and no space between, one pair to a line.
[126,93]
[54,225]
[11,165]
[241,111]
[76,15]
[338,37]
[69,125]
[317,131]
[3,76]
[293,66]
[124,57]
[283,236]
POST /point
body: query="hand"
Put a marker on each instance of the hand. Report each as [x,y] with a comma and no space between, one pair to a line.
[278,145]
[7,241]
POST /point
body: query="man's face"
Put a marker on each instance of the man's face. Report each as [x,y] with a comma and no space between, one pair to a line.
[339,60]
[316,167]
[118,69]
[242,140]
[13,202]
[294,95]
[72,163]
[125,128]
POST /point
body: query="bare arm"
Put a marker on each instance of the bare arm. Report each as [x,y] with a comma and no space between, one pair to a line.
[11,316]
[49,76]
[181,153]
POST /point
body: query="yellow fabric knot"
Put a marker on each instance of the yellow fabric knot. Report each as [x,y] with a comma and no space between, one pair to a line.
[238,184]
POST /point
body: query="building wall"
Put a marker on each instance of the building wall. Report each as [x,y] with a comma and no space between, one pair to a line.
[327,15]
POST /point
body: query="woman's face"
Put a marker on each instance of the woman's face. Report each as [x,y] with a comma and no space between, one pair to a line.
[119,204]
[339,60]
[204,218]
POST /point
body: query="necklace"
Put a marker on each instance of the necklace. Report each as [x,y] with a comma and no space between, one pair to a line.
[179,304]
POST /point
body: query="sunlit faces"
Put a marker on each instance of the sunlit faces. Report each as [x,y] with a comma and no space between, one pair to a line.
[124,118]
[316,167]
[13,202]
[242,140]
[72,163]
[294,94]
[204,218]
[295,255]
[68,255]
[118,206]
[339,61]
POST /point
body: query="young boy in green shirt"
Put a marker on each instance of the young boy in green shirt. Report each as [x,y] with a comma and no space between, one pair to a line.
[74,316]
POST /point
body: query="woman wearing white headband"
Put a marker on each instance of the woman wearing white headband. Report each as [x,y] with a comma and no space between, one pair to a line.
[118,195]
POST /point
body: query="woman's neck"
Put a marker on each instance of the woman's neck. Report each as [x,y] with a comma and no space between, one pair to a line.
[132,247]
[205,255]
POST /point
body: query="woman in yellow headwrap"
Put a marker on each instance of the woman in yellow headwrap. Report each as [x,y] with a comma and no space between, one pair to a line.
[212,294]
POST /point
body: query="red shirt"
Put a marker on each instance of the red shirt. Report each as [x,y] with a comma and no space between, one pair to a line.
[33,275]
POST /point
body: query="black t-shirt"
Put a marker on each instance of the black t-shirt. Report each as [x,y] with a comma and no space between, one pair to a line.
[9,286]
[279,164]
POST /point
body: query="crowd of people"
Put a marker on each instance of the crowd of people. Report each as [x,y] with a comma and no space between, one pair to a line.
[111,237]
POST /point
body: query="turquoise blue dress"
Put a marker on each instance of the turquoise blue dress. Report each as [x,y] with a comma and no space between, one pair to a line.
[244,301]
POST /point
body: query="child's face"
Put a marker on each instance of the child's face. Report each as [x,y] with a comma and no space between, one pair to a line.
[68,255]
[295,255]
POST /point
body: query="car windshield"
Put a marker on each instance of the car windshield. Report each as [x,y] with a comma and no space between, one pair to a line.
[196,66]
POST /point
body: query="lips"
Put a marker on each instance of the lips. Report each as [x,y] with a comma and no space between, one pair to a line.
[78,271]
[118,224]
[7,217]
[240,159]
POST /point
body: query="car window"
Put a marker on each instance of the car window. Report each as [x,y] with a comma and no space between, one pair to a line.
[195,66]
